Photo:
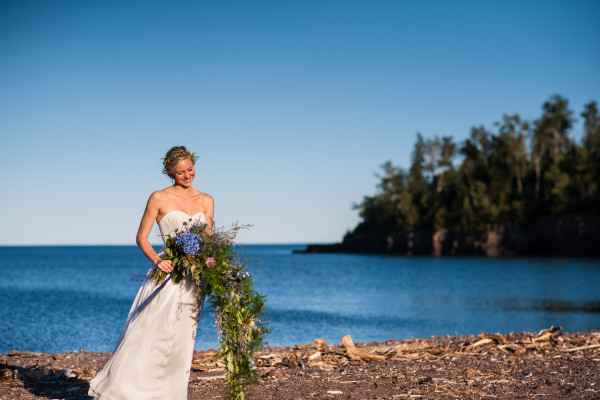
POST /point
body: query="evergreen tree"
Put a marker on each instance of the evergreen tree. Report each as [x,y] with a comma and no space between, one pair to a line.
[500,180]
[590,157]
[550,145]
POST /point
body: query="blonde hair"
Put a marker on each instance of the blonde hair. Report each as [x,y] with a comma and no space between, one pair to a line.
[174,156]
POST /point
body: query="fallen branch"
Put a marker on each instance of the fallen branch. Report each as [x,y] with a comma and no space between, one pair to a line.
[591,346]
[481,343]
[357,354]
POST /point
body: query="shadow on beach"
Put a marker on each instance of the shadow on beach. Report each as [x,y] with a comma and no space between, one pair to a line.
[40,379]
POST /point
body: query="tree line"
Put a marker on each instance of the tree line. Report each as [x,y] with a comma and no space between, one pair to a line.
[514,173]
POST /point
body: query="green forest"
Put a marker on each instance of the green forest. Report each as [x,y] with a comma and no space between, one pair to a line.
[515,172]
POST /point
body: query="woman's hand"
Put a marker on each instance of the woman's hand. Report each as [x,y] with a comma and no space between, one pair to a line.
[165,265]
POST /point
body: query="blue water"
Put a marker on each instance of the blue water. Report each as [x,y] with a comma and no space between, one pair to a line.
[56,299]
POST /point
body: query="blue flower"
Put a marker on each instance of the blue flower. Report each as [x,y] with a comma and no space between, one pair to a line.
[190,242]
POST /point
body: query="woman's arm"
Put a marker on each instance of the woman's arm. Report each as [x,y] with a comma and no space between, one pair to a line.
[150,214]
[209,206]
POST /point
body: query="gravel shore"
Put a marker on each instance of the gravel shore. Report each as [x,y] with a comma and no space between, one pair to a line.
[547,365]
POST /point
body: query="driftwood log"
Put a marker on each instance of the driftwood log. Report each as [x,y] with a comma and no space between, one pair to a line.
[360,354]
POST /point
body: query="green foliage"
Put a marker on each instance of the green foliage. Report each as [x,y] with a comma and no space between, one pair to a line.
[239,311]
[522,170]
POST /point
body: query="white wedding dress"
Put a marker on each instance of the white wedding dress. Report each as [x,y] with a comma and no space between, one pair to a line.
[153,356]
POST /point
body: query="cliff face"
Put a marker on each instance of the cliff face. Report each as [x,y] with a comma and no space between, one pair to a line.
[576,235]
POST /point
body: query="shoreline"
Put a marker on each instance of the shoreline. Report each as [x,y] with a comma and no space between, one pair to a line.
[568,235]
[550,363]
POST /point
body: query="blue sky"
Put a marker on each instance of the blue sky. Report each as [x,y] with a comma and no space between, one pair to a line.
[293,105]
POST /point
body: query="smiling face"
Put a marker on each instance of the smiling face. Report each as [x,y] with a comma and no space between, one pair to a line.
[184,173]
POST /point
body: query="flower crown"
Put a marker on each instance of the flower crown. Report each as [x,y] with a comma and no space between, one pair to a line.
[178,153]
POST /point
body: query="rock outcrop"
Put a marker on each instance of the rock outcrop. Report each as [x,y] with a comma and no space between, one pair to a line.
[575,235]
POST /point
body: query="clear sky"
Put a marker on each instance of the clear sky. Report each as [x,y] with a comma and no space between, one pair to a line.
[292,105]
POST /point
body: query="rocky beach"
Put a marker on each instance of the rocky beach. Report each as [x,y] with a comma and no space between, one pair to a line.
[550,364]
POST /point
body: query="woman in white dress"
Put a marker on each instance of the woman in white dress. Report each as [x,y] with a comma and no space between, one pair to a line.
[153,356]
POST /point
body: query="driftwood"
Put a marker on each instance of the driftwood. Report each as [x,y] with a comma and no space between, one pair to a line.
[481,342]
[327,357]
[359,354]
[16,353]
[592,346]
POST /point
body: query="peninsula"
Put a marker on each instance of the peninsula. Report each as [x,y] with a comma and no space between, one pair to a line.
[525,188]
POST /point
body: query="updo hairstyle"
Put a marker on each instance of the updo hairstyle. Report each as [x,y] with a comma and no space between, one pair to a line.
[174,156]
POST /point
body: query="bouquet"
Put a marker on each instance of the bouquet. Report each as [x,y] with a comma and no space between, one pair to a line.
[220,274]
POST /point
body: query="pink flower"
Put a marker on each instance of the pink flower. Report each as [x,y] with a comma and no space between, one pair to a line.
[210,262]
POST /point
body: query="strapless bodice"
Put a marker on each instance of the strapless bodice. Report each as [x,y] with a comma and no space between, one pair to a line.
[175,220]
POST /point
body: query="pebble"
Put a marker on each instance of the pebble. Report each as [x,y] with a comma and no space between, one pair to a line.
[67,373]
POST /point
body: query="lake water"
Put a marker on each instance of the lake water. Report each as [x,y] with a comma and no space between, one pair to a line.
[57,299]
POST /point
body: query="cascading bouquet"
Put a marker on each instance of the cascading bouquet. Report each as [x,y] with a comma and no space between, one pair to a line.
[220,274]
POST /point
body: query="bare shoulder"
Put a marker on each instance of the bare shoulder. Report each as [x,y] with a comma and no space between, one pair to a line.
[207,198]
[206,202]
[201,196]
[158,198]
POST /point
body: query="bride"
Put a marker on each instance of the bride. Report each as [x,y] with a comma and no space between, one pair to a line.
[153,356]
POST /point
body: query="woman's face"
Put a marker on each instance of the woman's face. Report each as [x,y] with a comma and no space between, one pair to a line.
[184,173]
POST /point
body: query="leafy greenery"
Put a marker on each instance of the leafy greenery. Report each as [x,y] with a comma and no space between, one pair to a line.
[221,274]
[521,170]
